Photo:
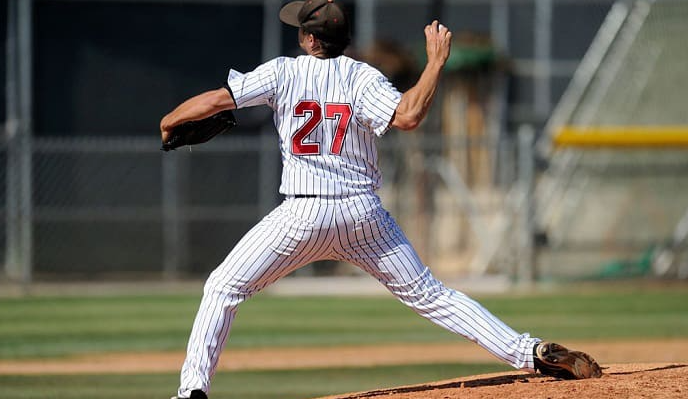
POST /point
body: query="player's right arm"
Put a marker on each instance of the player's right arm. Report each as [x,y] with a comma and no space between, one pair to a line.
[240,90]
[415,103]
[195,108]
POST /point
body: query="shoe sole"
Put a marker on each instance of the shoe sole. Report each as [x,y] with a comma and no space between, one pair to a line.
[579,364]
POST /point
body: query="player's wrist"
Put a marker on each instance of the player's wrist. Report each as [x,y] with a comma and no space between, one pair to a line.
[434,66]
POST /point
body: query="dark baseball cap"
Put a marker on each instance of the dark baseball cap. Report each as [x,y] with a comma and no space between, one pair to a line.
[323,18]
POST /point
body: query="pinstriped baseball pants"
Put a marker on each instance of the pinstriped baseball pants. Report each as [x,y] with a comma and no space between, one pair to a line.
[355,229]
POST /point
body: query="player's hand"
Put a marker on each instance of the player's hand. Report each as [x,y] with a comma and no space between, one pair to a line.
[437,43]
[165,128]
[165,135]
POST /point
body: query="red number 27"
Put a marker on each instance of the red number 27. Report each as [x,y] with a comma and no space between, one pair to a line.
[313,112]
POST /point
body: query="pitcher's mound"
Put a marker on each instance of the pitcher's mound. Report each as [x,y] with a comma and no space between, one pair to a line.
[647,380]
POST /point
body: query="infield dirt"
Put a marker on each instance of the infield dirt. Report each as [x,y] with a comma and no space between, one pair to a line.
[633,369]
[648,380]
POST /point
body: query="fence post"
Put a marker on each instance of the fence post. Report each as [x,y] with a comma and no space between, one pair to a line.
[272,29]
[19,254]
[268,171]
[543,57]
[365,26]
[174,235]
[526,180]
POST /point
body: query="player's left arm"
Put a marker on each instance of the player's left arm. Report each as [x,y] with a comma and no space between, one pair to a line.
[195,108]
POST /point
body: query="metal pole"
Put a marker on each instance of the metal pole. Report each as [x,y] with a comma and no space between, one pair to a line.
[18,262]
[174,237]
[543,57]
[25,28]
[12,130]
[499,24]
[365,23]
[269,160]
[268,175]
[526,172]
[498,103]
[11,71]
[272,29]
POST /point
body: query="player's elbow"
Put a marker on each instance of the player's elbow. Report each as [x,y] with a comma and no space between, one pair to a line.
[220,100]
[407,120]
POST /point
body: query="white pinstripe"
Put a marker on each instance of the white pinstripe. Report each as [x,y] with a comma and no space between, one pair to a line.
[345,222]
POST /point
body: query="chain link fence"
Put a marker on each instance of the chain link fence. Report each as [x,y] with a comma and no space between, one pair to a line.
[122,209]
[616,195]
[110,205]
[608,213]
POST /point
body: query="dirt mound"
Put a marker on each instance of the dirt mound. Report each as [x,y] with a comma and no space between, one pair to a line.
[647,380]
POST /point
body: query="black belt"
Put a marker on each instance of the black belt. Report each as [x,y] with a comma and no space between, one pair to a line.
[305,196]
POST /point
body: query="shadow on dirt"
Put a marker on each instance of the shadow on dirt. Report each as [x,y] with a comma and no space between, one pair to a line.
[669,367]
[480,382]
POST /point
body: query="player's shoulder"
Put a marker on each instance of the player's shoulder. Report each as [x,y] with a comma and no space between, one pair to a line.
[359,70]
[355,71]
[280,62]
[280,67]
[342,62]
[357,64]
[293,65]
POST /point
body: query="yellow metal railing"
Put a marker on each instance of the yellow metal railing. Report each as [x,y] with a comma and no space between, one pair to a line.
[621,136]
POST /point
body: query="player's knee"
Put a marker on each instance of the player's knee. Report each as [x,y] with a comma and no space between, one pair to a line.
[423,298]
[216,283]
[229,285]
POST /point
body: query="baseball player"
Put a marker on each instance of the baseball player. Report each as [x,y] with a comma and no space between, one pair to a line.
[328,111]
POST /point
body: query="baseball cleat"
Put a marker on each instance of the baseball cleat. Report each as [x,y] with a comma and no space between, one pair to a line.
[556,361]
[195,394]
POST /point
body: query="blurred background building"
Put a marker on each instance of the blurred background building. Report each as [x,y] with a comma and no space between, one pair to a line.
[482,188]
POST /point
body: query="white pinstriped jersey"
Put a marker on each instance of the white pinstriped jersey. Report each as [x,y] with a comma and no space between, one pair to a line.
[327,113]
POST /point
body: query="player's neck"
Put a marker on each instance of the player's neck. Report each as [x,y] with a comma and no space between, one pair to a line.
[317,52]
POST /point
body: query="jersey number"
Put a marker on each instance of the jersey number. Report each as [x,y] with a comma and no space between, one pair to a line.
[313,112]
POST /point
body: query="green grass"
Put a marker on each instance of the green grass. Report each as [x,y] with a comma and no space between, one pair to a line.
[290,384]
[654,313]
[59,326]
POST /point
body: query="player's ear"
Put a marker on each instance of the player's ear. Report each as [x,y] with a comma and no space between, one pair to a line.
[311,40]
[308,37]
